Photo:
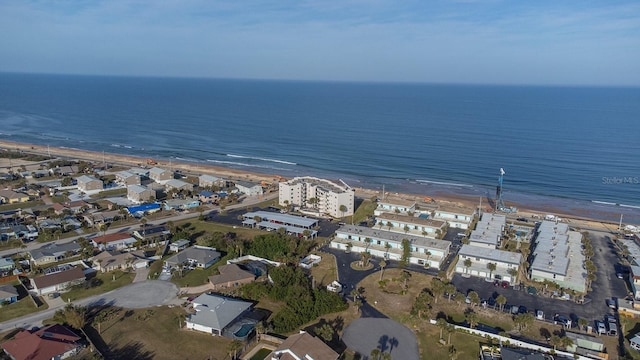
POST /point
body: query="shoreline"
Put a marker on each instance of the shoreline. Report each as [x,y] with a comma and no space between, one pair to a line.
[446,198]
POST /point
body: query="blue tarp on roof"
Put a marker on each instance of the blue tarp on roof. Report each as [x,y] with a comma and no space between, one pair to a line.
[143,208]
[206,193]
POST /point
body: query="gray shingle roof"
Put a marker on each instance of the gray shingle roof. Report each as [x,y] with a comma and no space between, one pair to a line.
[216,311]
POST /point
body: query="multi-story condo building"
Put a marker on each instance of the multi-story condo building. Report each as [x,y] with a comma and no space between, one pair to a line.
[479,258]
[395,206]
[410,224]
[388,245]
[488,231]
[323,196]
[557,256]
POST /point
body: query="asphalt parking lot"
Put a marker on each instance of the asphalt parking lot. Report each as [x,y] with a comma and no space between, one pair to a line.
[607,285]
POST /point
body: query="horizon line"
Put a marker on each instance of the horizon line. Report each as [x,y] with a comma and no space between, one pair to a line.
[363,82]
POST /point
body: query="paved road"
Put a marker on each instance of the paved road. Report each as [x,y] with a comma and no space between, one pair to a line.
[364,335]
[134,296]
[247,201]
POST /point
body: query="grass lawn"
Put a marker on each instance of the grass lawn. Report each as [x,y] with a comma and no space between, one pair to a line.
[23,205]
[154,333]
[200,228]
[108,284]
[198,277]
[397,306]
[630,327]
[261,354]
[155,269]
[22,307]
[325,271]
[364,210]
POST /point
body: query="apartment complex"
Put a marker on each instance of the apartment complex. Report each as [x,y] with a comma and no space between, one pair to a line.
[557,256]
[323,196]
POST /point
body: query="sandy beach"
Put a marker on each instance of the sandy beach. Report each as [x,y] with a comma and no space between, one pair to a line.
[585,216]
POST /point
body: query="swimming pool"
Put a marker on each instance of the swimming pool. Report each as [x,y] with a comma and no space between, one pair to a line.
[244,330]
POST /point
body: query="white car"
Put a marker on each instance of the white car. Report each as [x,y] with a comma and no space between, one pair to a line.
[600,328]
[539,314]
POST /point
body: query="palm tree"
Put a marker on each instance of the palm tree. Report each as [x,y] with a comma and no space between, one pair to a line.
[449,329]
[471,317]
[582,323]
[357,304]
[450,289]
[387,247]
[437,288]
[406,229]
[425,233]
[492,268]
[501,300]
[365,257]
[368,240]
[565,342]
[555,341]
[386,356]
[467,265]
[382,266]
[343,209]
[474,298]
[375,354]
[389,225]
[233,348]
[405,276]
[260,329]
[442,324]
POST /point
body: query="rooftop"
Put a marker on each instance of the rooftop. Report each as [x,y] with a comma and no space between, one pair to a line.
[61,277]
[491,254]
[217,311]
[322,183]
[389,236]
[53,250]
[411,220]
[279,218]
[110,238]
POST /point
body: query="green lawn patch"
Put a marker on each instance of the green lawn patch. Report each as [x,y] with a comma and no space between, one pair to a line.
[466,346]
[155,333]
[364,211]
[20,308]
[261,354]
[198,277]
[108,193]
[107,283]
[155,269]
[23,205]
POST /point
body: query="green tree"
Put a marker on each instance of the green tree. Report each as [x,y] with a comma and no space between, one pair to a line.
[450,289]
[471,317]
[467,265]
[437,288]
[343,209]
[501,300]
[389,225]
[491,267]
[474,298]
[406,253]
[582,323]
[422,305]
[383,264]
[234,347]
[405,276]
[326,332]
[375,354]
[442,324]
[406,229]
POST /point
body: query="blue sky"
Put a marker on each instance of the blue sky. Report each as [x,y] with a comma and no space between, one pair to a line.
[463,41]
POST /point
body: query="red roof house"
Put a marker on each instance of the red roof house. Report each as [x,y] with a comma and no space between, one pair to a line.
[54,341]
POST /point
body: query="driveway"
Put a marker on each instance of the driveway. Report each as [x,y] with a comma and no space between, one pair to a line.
[142,274]
[134,296]
[366,334]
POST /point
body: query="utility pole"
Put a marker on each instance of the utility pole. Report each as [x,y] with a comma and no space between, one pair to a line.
[620,225]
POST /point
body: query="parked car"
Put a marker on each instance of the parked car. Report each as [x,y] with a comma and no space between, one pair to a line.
[505,284]
[566,322]
[522,219]
[610,318]
[612,303]
[619,276]
[613,329]
[600,328]
[539,314]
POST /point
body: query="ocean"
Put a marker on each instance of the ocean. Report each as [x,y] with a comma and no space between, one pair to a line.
[562,147]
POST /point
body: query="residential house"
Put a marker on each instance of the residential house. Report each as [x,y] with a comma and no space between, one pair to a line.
[152,234]
[328,197]
[488,231]
[102,217]
[140,194]
[249,188]
[303,346]
[635,342]
[215,313]
[557,256]
[406,224]
[12,197]
[117,241]
[87,183]
[179,245]
[196,256]
[208,197]
[209,181]
[50,342]
[141,210]
[425,251]
[108,261]
[181,204]
[457,218]
[64,170]
[231,275]
[127,178]
[395,205]
[480,257]
[57,279]
[584,344]
[74,207]
[8,294]
[6,265]
[635,281]
[160,175]
[177,185]
[53,252]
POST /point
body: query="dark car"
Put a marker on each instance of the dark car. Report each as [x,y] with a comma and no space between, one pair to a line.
[496,282]
[505,284]
[522,219]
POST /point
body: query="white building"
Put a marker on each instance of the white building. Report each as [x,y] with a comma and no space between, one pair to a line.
[635,281]
[456,217]
[406,224]
[488,231]
[480,257]
[88,183]
[557,256]
[249,188]
[205,181]
[140,194]
[329,196]
[127,178]
[391,205]
[215,313]
[388,245]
